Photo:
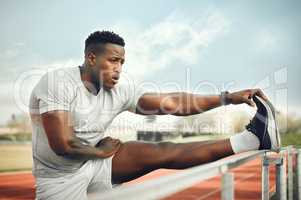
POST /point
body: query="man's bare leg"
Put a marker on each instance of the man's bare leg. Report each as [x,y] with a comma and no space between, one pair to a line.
[135,159]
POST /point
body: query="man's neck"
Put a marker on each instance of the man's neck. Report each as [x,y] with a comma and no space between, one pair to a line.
[90,82]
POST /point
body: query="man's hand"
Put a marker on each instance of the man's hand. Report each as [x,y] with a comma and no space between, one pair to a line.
[244,96]
[108,146]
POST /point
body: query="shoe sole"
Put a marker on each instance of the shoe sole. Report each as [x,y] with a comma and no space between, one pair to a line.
[272,125]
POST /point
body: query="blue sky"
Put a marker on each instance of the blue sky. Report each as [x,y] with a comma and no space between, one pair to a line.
[240,44]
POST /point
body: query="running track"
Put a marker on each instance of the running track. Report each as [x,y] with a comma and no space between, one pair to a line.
[20,185]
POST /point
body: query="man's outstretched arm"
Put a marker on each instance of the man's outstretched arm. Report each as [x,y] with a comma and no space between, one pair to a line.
[183,104]
[63,142]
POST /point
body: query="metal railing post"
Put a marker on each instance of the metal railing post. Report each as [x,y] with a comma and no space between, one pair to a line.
[299,173]
[227,186]
[290,172]
[280,180]
[265,178]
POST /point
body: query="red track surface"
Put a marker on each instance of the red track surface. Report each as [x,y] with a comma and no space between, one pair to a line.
[247,184]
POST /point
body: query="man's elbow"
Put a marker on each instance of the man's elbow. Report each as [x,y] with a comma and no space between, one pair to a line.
[172,106]
[62,152]
[62,149]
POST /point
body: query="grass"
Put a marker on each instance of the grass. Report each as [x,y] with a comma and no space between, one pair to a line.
[291,139]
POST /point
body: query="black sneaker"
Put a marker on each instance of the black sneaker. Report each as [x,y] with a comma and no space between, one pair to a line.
[264,125]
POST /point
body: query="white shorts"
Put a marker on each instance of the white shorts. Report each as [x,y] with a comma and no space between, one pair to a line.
[93,176]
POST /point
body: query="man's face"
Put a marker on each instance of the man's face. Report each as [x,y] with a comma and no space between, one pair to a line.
[107,65]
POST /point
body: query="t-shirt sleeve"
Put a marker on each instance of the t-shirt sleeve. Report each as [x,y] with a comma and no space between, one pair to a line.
[132,93]
[54,92]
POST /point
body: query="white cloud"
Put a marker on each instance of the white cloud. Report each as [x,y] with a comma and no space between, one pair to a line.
[266,40]
[175,39]
[9,54]
[12,52]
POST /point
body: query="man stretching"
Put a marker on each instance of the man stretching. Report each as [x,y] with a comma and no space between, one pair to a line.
[71,108]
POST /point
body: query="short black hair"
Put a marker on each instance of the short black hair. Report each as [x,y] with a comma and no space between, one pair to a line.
[102,37]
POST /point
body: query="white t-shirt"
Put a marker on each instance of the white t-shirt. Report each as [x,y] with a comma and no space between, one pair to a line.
[63,89]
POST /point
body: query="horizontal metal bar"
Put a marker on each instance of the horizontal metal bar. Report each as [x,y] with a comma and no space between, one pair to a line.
[273,161]
[164,186]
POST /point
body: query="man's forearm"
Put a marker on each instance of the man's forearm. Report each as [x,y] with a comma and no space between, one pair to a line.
[79,149]
[189,104]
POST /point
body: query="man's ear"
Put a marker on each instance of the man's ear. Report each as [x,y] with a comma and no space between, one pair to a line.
[91,58]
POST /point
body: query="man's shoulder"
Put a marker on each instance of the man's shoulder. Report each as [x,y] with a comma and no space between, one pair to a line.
[58,80]
[59,77]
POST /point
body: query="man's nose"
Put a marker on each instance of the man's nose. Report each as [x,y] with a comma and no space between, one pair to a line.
[118,68]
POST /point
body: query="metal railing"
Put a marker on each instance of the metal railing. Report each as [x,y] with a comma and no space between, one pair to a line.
[170,184]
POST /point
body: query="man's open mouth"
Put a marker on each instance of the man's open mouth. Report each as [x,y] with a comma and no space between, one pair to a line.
[115,78]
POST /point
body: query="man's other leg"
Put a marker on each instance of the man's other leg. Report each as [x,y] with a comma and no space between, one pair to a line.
[135,159]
